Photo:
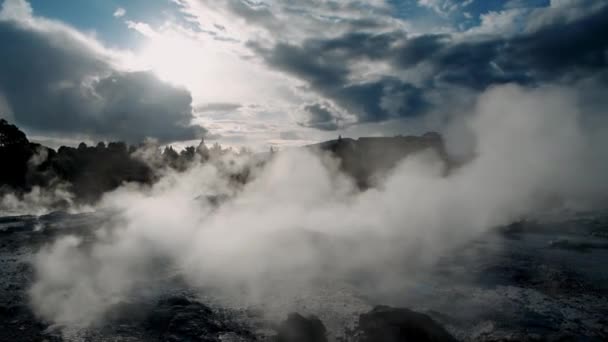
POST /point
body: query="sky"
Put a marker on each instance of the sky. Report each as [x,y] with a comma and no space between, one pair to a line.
[262,73]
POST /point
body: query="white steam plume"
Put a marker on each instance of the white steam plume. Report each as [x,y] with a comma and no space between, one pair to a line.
[300,220]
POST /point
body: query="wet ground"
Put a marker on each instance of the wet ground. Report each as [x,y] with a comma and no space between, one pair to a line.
[527,281]
[536,280]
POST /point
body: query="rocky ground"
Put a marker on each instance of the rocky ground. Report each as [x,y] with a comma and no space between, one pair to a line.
[525,282]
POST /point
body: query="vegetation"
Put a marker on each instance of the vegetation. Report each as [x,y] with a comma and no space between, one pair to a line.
[90,171]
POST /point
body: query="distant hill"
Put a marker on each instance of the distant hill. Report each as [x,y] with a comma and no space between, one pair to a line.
[367,157]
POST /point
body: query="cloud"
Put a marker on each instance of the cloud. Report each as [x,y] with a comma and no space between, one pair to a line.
[324,65]
[218,107]
[15,9]
[320,117]
[288,21]
[120,12]
[563,12]
[139,99]
[143,28]
[78,88]
[422,66]
[290,135]
[505,22]
[370,61]
[441,7]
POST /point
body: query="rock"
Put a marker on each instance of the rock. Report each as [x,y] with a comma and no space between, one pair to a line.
[298,328]
[386,324]
[182,319]
[18,323]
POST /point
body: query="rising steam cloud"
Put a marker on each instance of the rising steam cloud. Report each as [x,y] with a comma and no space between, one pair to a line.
[301,220]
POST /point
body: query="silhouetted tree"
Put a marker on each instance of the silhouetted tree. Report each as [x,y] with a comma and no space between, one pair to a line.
[188,154]
[10,135]
[15,152]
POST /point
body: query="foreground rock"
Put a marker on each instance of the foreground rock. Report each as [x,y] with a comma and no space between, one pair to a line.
[181,319]
[386,324]
[382,324]
[298,328]
[18,323]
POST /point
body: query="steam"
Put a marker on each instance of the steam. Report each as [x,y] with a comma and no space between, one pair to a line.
[301,221]
[39,200]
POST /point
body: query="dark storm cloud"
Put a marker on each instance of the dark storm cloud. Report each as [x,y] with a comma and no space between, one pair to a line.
[562,50]
[138,105]
[307,62]
[412,51]
[325,66]
[554,50]
[571,50]
[55,83]
[320,117]
[473,64]
[356,44]
[369,101]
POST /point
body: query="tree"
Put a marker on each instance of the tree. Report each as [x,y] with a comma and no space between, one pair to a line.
[169,154]
[10,135]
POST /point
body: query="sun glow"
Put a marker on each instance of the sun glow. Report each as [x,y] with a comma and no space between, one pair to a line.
[173,59]
[212,70]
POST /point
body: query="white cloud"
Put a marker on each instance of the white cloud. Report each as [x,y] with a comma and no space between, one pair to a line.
[215,62]
[278,20]
[20,11]
[120,12]
[221,71]
[141,27]
[505,22]
[16,10]
[443,7]
[87,76]
[562,11]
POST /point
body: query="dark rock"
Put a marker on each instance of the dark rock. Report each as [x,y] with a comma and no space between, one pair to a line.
[182,319]
[298,328]
[18,323]
[386,324]
[578,246]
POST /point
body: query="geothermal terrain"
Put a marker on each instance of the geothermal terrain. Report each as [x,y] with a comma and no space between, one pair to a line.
[541,280]
[317,244]
[304,171]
